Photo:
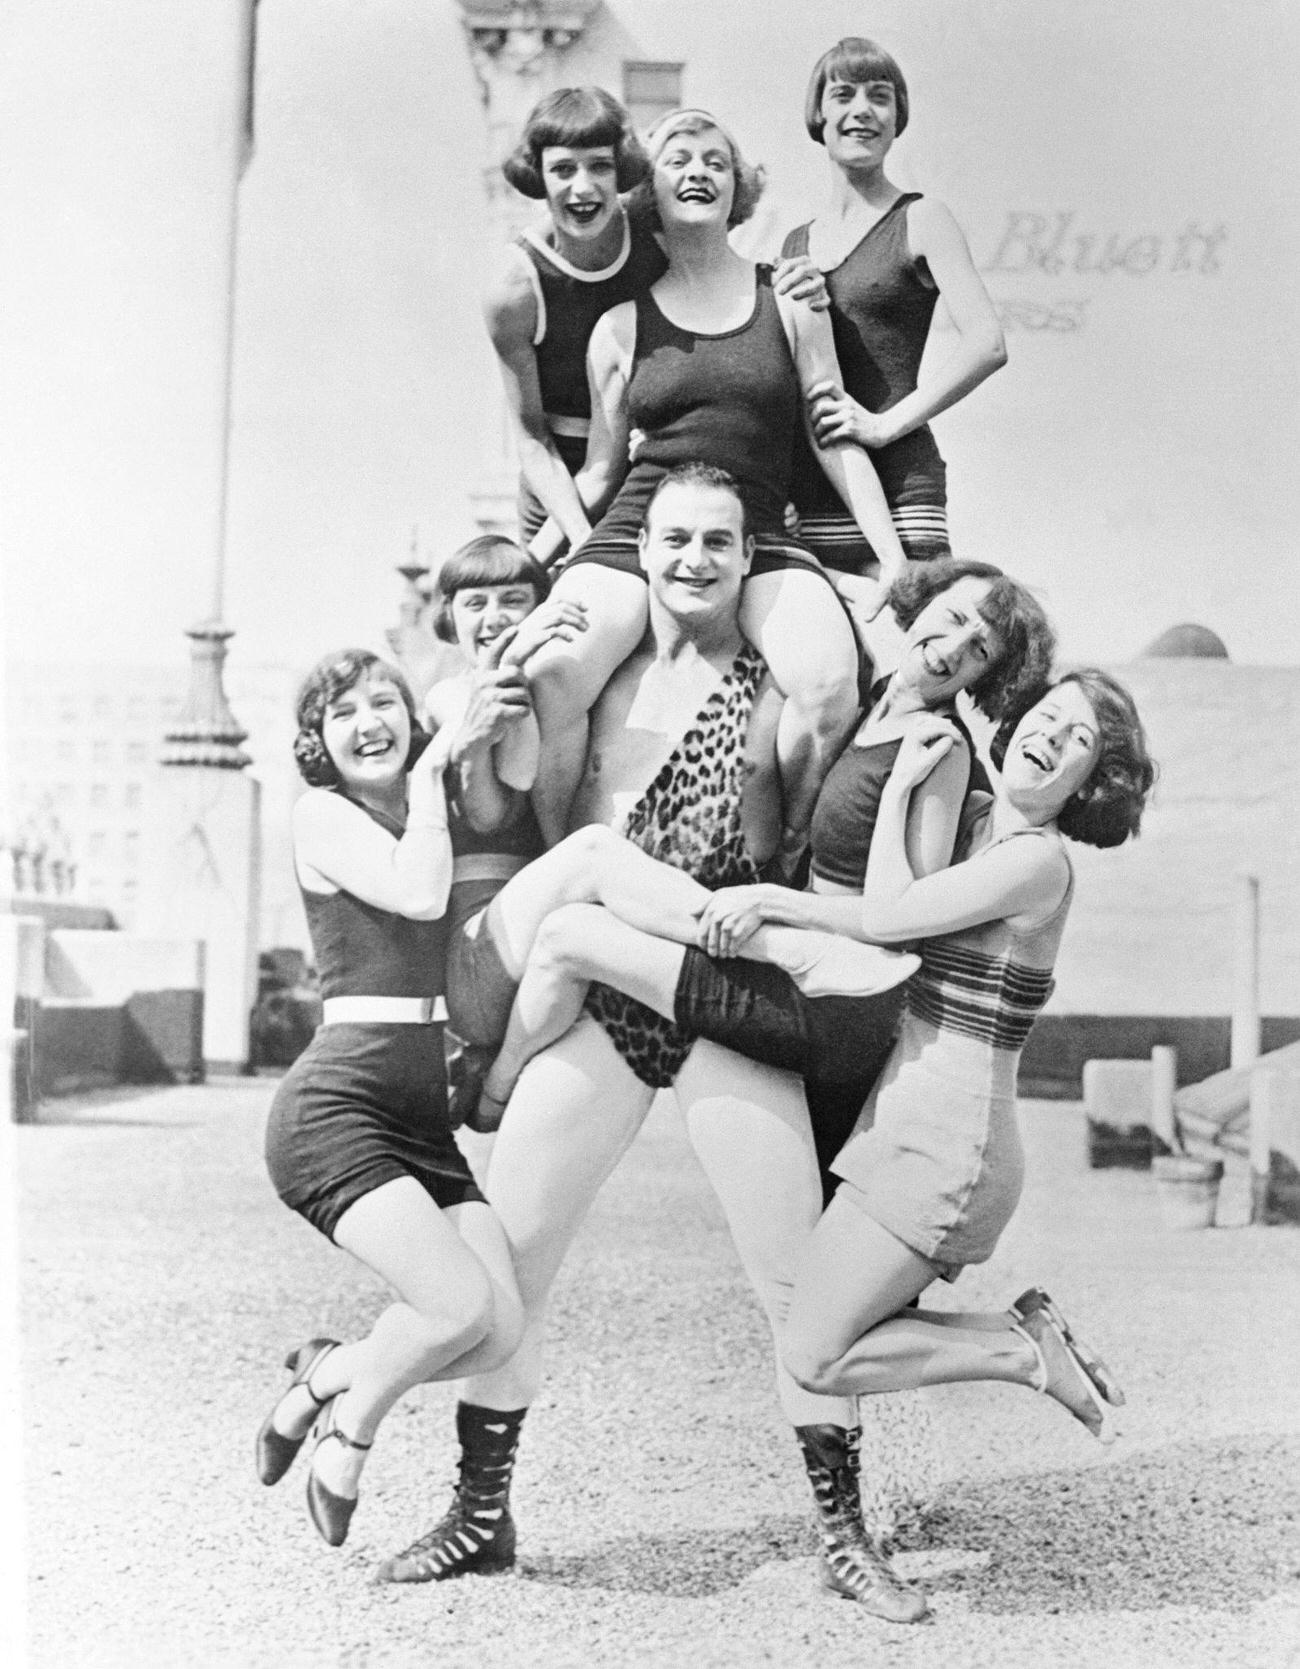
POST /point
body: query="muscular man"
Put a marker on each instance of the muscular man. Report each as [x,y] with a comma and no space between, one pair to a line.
[682,760]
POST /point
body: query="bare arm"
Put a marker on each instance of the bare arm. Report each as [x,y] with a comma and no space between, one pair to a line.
[980,349]
[1018,878]
[510,309]
[933,816]
[609,366]
[813,347]
[335,842]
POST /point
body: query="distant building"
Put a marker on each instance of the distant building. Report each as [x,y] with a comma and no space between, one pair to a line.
[83,745]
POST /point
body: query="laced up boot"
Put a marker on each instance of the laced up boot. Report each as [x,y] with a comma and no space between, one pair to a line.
[850,1564]
[477,1533]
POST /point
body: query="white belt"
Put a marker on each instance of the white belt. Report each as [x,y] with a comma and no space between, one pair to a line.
[572,428]
[399,1011]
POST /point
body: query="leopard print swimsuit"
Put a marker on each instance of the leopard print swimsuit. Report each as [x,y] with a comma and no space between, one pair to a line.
[689,817]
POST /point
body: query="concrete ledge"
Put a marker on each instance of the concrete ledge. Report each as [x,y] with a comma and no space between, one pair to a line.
[156,1037]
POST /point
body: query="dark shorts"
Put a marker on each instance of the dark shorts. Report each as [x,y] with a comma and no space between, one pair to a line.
[480,989]
[362,1106]
[760,1012]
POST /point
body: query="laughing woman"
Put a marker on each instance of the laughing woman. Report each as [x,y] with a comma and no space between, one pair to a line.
[712,365]
[889,257]
[358,1139]
[577,153]
[933,1171]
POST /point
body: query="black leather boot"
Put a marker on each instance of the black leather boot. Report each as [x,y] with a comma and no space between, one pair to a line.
[477,1533]
[850,1565]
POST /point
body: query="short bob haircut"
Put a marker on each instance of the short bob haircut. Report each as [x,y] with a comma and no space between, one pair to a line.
[699,474]
[1019,672]
[750,178]
[578,117]
[1107,810]
[853,59]
[491,559]
[325,683]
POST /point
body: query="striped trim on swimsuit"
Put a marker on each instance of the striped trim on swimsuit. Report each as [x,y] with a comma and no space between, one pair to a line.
[992,999]
[922,530]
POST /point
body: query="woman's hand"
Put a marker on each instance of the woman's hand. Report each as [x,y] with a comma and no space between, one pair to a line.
[837,417]
[864,597]
[796,276]
[929,739]
[560,618]
[498,697]
[731,916]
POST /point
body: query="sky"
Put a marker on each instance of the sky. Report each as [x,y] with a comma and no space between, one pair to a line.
[1124,173]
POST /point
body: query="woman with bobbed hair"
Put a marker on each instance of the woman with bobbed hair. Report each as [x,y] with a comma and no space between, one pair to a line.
[889,256]
[358,1141]
[577,153]
[711,364]
[933,1170]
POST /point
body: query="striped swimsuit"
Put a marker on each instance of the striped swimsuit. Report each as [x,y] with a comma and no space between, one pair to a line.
[935,1156]
[882,301]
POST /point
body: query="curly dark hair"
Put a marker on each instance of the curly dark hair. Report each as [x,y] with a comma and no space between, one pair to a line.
[699,474]
[857,59]
[325,683]
[750,178]
[578,117]
[1025,635]
[491,559]
[1107,810]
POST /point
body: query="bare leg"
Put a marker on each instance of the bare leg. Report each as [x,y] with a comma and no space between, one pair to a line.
[593,866]
[458,1305]
[795,619]
[749,1127]
[566,678]
[575,945]
[846,1334]
[572,1117]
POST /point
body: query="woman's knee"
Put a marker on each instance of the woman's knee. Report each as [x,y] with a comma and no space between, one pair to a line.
[585,854]
[504,1335]
[560,942]
[811,1362]
[462,1315]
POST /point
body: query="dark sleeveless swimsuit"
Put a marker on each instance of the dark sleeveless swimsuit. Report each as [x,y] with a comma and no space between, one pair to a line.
[882,302]
[366,1104]
[689,817]
[731,399]
[838,1045]
[569,302]
[480,989]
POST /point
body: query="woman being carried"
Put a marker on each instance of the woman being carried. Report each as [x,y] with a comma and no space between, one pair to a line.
[577,153]
[709,365]
[358,1140]
[889,256]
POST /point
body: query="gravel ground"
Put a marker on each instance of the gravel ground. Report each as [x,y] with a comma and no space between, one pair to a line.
[662,1505]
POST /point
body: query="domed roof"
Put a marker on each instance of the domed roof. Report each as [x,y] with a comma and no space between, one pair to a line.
[1187,641]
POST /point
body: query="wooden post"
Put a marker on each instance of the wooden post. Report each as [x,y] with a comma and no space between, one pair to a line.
[1245,972]
[1265,1089]
[1164,1078]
